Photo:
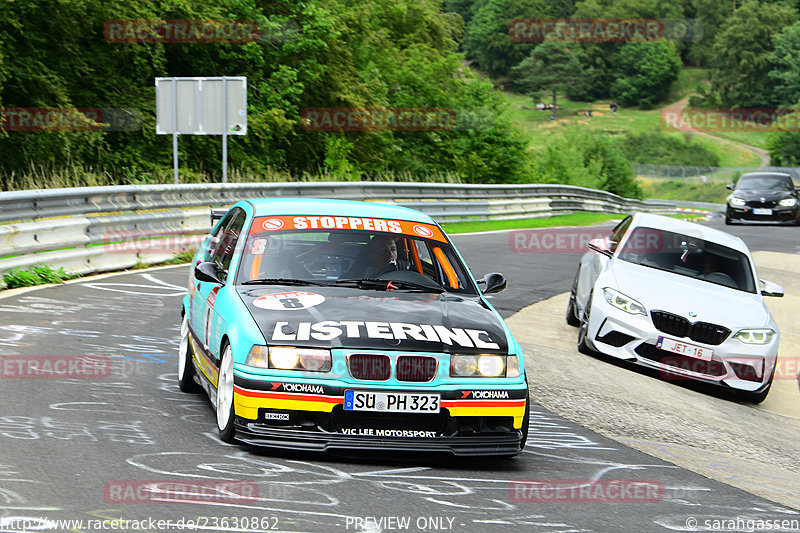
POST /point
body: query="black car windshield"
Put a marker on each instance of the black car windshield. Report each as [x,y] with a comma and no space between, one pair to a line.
[767,183]
[414,255]
[689,256]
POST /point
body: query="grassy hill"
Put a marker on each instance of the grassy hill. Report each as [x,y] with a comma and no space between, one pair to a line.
[539,127]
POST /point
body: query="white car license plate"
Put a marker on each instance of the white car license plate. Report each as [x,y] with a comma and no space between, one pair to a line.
[391,402]
[684,348]
[762,211]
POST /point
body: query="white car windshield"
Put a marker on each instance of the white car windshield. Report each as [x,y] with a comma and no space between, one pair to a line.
[689,256]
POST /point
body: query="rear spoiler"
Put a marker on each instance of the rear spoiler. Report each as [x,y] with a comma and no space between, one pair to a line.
[217,214]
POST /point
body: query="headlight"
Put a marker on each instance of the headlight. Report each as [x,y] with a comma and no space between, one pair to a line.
[289,358]
[483,366]
[738,202]
[620,301]
[754,336]
[788,202]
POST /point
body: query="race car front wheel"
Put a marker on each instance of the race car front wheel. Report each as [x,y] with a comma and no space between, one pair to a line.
[225,412]
[186,369]
[583,329]
[572,319]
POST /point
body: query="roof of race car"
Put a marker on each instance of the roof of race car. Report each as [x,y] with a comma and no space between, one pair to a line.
[320,206]
[684,227]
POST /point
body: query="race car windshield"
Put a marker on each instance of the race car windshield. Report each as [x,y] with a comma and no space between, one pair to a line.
[689,256]
[415,256]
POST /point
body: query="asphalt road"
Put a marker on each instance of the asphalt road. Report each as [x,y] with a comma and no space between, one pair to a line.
[114,446]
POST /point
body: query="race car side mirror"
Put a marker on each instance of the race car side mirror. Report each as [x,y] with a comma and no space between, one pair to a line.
[495,282]
[730,187]
[769,288]
[207,271]
[600,246]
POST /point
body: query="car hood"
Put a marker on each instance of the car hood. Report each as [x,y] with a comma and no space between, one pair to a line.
[768,195]
[658,290]
[338,317]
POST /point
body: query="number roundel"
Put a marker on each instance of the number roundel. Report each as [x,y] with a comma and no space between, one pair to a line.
[288,301]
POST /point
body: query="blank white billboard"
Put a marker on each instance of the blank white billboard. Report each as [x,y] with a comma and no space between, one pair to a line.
[201,106]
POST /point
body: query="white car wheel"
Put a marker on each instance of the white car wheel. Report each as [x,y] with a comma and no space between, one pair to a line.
[225,411]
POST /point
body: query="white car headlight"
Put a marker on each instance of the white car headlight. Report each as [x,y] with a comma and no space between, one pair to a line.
[289,358]
[484,366]
[754,336]
[738,202]
[620,301]
[788,202]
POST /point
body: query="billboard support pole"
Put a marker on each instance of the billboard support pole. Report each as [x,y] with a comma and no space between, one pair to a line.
[175,132]
[225,131]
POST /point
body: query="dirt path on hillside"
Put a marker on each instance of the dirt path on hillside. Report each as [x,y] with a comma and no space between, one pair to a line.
[762,154]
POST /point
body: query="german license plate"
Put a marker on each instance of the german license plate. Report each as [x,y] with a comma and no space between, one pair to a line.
[684,348]
[762,211]
[391,402]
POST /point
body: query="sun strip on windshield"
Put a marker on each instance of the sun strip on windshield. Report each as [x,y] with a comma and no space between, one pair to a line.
[305,223]
[452,279]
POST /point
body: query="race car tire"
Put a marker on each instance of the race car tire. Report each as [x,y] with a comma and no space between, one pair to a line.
[573,320]
[756,397]
[728,220]
[225,411]
[583,329]
[186,370]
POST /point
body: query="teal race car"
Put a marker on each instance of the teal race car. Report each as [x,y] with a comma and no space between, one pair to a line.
[335,325]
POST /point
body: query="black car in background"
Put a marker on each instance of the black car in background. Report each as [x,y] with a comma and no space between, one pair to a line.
[769,196]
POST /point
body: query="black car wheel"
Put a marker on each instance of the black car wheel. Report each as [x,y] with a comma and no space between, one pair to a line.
[583,329]
[572,318]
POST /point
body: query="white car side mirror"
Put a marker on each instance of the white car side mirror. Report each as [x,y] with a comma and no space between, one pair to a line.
[771,289]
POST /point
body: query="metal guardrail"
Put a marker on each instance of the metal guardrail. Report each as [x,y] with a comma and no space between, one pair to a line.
[95,229]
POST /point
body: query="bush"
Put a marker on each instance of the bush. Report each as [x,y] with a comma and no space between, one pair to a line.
[658,148]
[36,275]
[587,159]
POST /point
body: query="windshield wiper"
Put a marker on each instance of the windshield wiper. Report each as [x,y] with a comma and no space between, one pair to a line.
[283,281]
[389,285]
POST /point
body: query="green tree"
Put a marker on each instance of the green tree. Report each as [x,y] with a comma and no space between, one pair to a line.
[784,148]
[712,14]
[644,72]
[553,66]
[740,55]
[785,62]
[487,41]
